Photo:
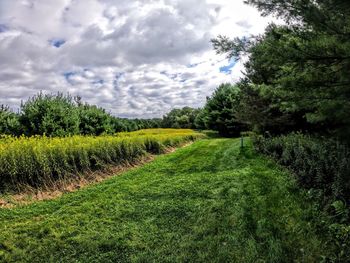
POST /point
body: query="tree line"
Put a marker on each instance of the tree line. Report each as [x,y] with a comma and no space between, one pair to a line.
[297,74]
[63,115]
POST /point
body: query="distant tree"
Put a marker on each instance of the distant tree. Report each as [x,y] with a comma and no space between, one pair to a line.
[9,121]
[53,115]
[64,115]
[221,110]
[118,125]
[181,118]
[201,120]
[94,120]
[154,123]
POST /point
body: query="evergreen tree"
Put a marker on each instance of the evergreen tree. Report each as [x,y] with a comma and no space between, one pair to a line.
[221,110]
[302,67]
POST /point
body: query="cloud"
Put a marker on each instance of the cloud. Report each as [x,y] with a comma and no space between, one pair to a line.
[134,58]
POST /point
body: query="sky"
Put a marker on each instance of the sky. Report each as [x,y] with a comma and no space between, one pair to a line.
[136,59]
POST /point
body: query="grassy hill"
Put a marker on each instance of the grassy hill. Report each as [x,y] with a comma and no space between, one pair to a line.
[207,202]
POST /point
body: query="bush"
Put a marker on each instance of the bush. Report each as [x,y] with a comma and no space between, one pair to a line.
[317,163]
[94,120]
[52,115]
[181,118]
[9,121]
[323,167]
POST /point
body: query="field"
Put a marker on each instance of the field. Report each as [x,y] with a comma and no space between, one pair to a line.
[207,202]
[41,162]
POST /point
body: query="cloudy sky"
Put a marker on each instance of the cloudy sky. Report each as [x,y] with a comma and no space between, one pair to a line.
[134,58]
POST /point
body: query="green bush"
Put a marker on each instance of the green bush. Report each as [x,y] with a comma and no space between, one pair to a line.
[59,115]
[317,163]
[9,121]
[181,118]
[322,166]
[52,115]
[94,120]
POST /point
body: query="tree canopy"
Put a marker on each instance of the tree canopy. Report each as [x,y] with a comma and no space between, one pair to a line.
[181,118]
[221,110]
[301,68]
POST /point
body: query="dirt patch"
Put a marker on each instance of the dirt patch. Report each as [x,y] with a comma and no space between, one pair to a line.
[30,195]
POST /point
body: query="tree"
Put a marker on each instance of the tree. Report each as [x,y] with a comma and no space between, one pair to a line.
[181,118]
[201,120]
[52,115]
[302,67]
[9,121]
[94,120]
[221,110]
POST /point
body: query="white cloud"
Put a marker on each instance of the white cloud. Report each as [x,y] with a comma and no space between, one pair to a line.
[134,58]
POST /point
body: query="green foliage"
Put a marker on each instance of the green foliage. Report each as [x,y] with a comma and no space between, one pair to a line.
[201,120]
[297,78]
[94,120]
[321,15]
[181,118]
[261,112]
[120,125]
[62,115]
[9,121]
[316,163]
[220,111]
[302,67]
[52,115]
[208,202]
[323,166]
[40,161]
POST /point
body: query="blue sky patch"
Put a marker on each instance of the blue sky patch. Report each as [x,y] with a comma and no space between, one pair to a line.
[192,65]
[228,68]
[116,79]
[3,28]
[67,75]
[57,42]
[98,82]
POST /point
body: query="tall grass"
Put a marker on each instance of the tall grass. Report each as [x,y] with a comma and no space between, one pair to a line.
[41,161]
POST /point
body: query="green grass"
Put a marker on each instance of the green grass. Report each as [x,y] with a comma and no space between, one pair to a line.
[208,202]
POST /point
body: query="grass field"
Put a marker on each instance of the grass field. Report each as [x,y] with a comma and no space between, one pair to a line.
[207,202]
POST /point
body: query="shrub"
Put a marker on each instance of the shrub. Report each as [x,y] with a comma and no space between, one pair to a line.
[94,120]
[317,163]
[52,115]
[323,167]
[181,118]
[9,121]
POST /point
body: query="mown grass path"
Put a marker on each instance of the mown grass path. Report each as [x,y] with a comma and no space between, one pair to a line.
[208,202]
